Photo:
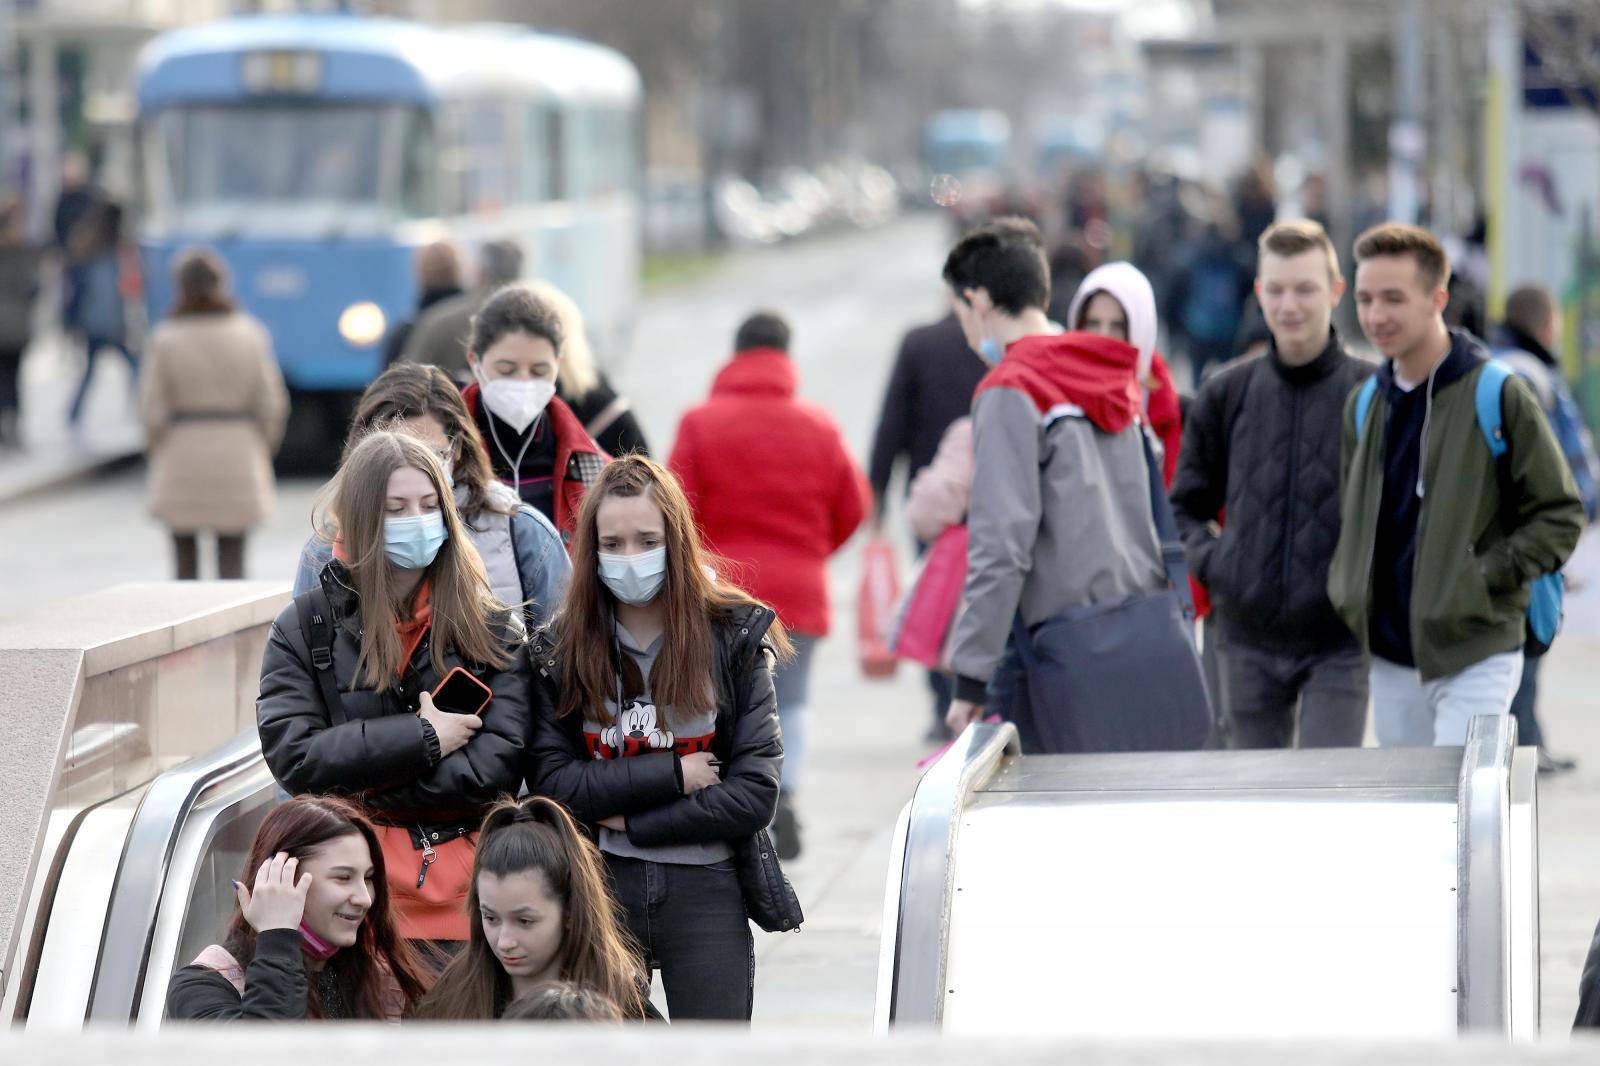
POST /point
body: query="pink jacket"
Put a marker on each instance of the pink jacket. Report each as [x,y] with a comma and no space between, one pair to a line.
[942,490]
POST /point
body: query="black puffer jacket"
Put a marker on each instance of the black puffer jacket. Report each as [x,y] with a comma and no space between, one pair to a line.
[1262,439]
[648,789]
[373,743]
[275,986]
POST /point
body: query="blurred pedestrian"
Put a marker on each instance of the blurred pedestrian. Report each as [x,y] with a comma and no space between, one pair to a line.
[78,197]
[1528,342]
[440,334]
[1261,443]
[314,934]
[536,444]
[1435,559]
[935,373]
[352,668]
[1061,518]
[540,913]
[213,406]
[97,309]
[439,278]
[582,385]
[19,287]
[522,553]
[777,521]
[1207,297]
[654,719]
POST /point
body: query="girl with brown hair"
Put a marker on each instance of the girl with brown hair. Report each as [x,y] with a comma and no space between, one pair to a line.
[540,911]
[655,718]
[314,936]
[214,406]
[350,670]
[522,553]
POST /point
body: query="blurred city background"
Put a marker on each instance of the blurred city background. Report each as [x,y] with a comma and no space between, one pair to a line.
[716,156]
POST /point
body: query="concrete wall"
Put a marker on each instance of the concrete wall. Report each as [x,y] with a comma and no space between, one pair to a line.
[101,693]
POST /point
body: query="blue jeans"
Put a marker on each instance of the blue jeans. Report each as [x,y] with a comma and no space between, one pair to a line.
[92,345]
[792,684]
[691,923]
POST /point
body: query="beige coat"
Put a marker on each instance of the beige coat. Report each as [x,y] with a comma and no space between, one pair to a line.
[213,405]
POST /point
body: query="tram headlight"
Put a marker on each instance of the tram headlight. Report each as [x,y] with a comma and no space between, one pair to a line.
[362,324]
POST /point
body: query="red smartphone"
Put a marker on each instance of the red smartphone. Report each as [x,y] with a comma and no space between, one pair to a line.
[461,693]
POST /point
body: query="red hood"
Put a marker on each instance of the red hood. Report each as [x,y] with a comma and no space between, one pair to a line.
[1098,374]
[757,372]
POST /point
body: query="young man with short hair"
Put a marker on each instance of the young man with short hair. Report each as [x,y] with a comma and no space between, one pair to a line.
[1440,541]
[1261,443]
[1060,513]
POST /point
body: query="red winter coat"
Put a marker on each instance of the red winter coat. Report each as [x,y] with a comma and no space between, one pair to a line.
[774,488]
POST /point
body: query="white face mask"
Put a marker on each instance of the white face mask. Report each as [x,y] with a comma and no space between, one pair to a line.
[516,403]
[634,579]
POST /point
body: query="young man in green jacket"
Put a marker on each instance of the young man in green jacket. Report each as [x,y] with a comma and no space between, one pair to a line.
[1439,541]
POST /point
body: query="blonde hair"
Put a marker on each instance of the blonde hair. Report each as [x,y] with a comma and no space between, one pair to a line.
[464,611]
[576,370]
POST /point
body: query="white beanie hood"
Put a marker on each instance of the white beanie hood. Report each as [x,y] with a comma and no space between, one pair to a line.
[1129,287]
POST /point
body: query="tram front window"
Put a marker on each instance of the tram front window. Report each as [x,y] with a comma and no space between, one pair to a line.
[205,157]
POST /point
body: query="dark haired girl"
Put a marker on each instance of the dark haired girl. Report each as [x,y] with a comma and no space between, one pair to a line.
[314,936]
[540,911]
[536,444]
[655,717]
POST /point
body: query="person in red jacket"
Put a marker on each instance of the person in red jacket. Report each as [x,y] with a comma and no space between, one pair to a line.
[775,492]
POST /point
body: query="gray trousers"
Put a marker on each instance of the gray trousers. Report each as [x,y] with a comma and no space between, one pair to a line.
[1272,700]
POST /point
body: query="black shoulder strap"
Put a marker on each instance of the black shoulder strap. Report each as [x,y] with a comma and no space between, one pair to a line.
[316,622]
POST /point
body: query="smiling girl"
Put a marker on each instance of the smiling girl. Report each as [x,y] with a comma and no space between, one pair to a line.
[313,937]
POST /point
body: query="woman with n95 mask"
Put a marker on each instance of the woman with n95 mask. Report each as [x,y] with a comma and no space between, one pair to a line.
[350,666]
[536,444]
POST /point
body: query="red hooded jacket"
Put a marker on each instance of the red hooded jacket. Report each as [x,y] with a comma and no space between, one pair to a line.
[774,488]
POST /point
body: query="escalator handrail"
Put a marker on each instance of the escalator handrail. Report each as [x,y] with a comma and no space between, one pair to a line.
[922,939]
[1483,892]
[142,873]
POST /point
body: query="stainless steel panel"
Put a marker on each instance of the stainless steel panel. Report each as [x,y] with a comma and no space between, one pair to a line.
[925,889]
[1321,769]
[1483,854]
[1526,1019]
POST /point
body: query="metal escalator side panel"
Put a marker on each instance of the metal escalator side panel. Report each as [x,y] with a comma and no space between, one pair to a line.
[888,934]
[142,872]
[197,900]
[1483,846]
[922,927]
[1526,1014]
[64,979]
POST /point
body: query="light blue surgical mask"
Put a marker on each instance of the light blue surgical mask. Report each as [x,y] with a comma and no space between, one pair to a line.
[413,542]
[634,579]
[991,351]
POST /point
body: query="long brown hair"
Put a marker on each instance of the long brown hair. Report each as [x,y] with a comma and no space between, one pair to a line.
[200,282]
[681,678]
[299,827]
[412,390]
[517,837]
[464,612]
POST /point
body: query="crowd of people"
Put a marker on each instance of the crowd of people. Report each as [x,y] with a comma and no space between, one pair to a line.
[541,700]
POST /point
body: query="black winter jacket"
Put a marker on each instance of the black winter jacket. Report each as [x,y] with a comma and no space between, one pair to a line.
[374,743]
[1263,439]
[275,985]
[648,789]
[935,374]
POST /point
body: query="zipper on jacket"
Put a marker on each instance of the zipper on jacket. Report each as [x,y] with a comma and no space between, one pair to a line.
[428,856]
[1288,506]
[1422,513]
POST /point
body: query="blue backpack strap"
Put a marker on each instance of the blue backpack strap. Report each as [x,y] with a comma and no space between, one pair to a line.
[1491,383]
[1369,389]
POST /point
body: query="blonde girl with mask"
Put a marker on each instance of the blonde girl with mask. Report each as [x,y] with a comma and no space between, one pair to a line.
[351,668]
